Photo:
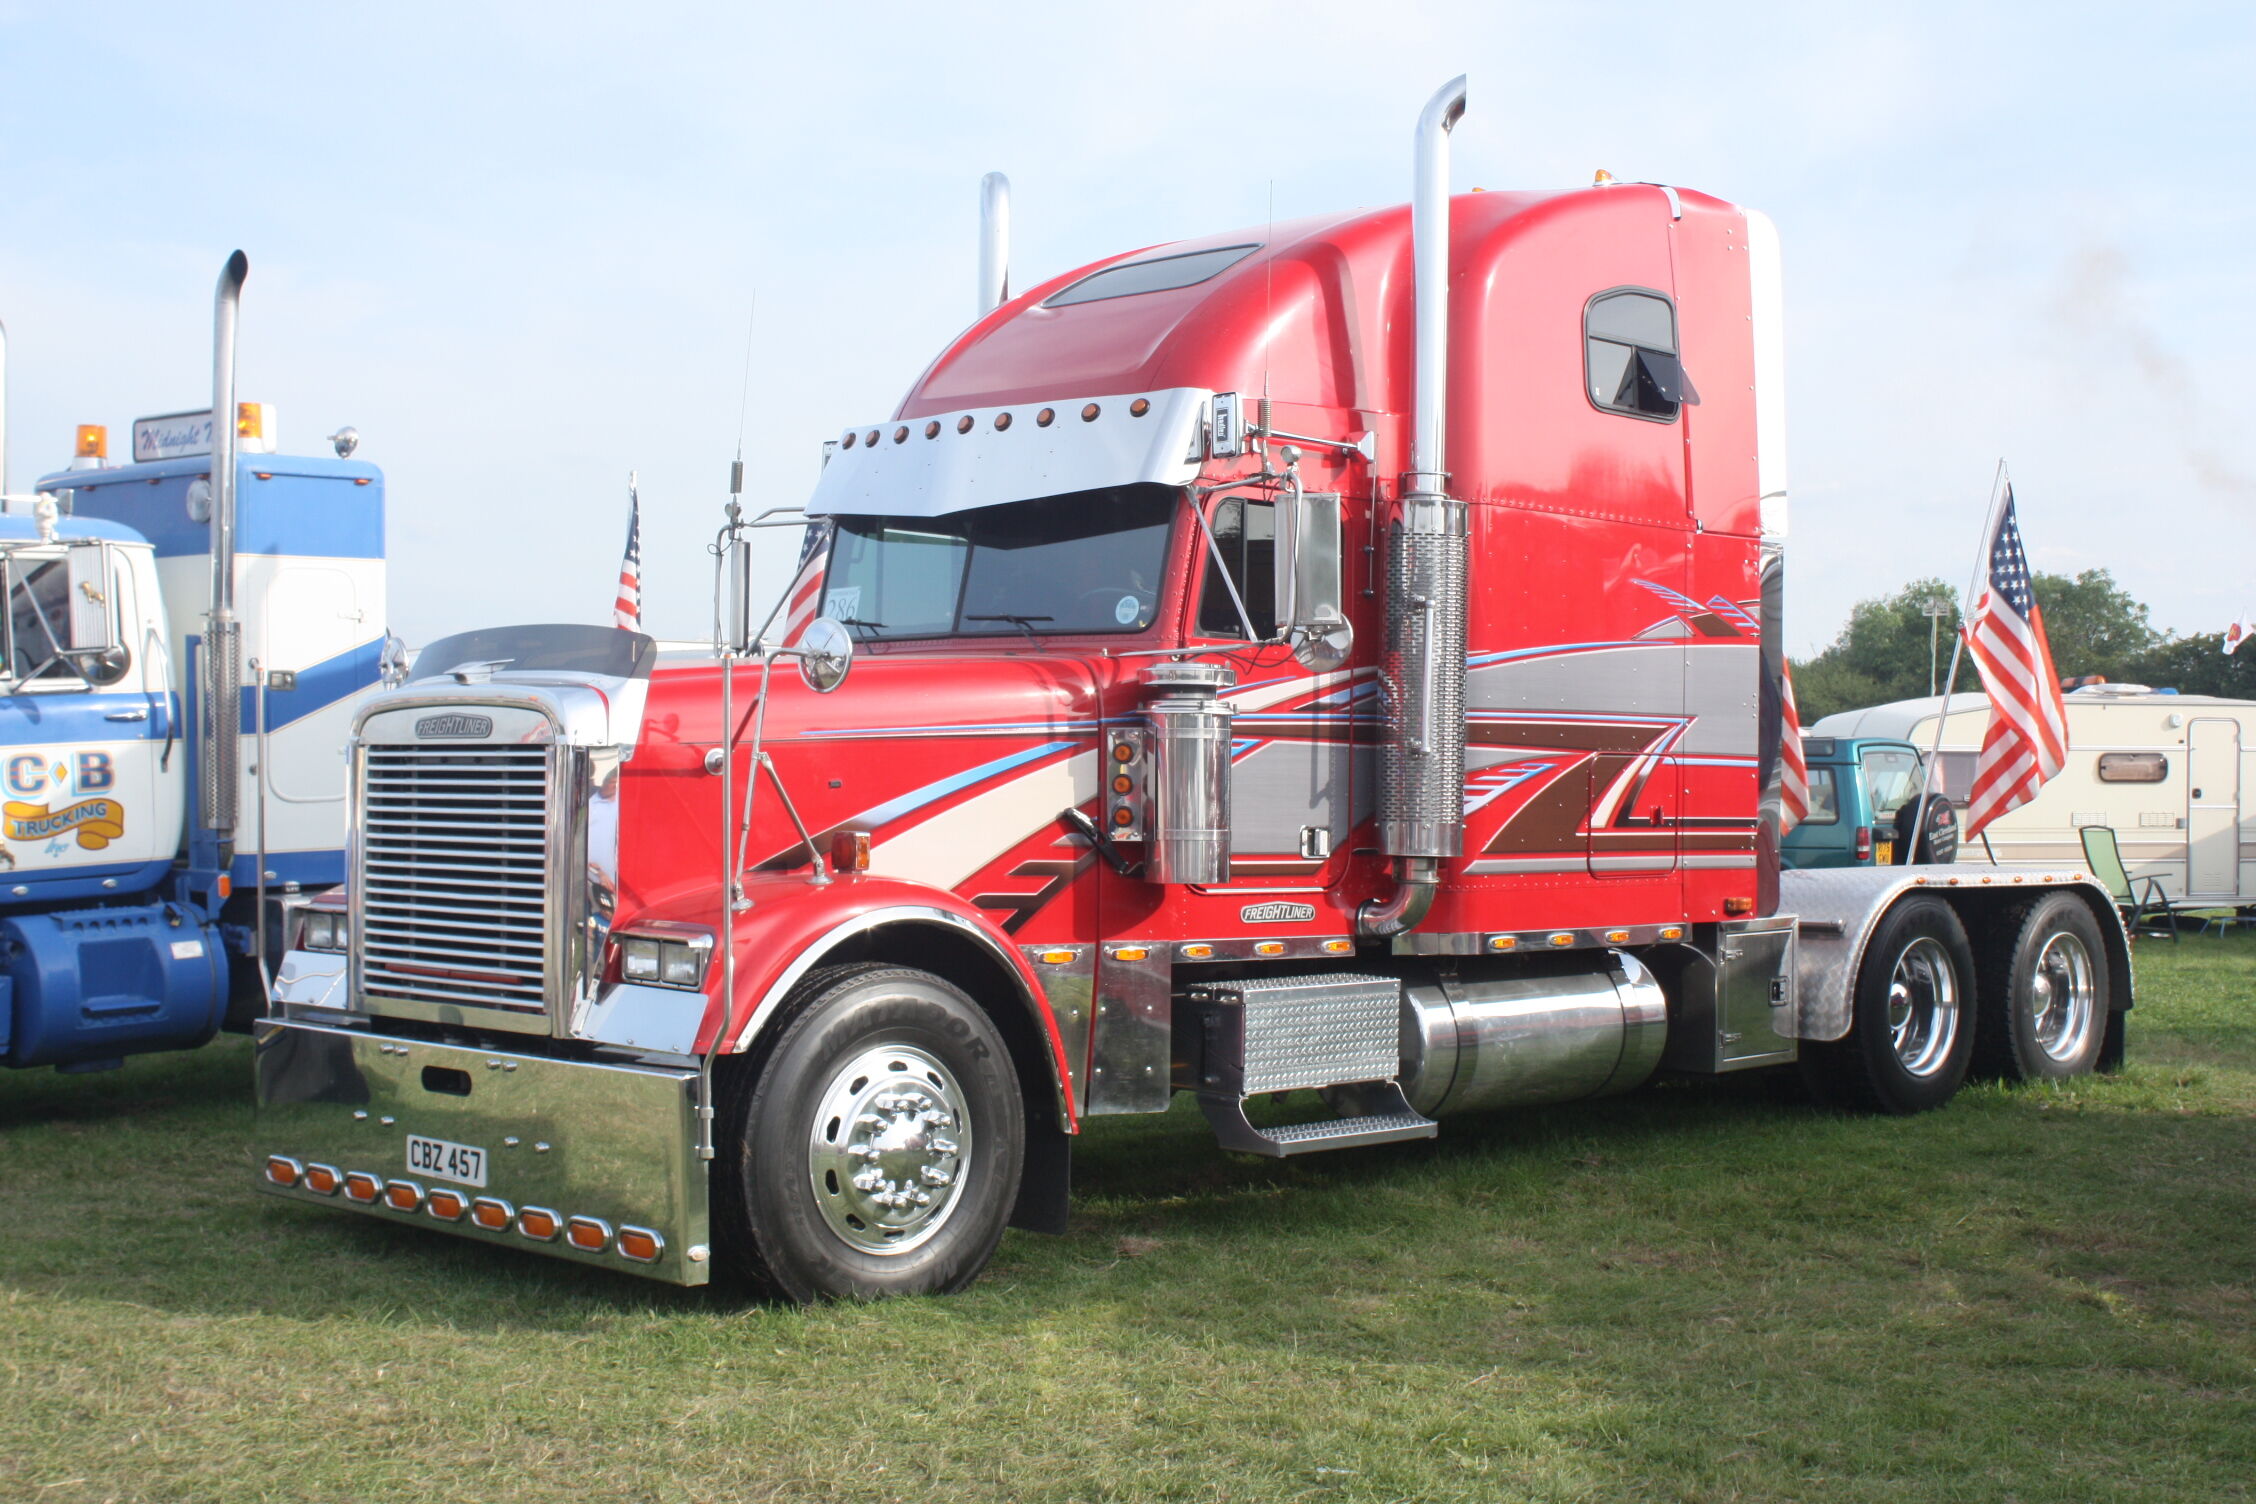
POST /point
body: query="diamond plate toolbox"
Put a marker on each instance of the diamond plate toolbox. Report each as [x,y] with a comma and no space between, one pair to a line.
[1296,1032]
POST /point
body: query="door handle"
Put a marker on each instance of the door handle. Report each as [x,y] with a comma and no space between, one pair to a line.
[127,715]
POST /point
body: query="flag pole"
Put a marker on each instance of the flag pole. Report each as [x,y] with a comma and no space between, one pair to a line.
[1998,486]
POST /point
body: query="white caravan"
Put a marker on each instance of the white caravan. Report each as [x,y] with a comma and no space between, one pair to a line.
[2167,771]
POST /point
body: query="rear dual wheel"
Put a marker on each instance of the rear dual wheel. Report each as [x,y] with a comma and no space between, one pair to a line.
[878,1148]
[1911,1019]
[2044,989]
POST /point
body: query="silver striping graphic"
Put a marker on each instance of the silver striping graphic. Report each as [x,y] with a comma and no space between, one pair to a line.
[452,883]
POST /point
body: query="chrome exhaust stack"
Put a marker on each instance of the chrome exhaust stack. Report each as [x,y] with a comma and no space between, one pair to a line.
[223,647]
[994,242]
[1422,672]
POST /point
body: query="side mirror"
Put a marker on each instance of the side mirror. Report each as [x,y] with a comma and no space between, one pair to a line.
[1311,613]
[93,612]
[825,652]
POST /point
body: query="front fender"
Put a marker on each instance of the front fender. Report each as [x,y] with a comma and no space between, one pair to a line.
[793,925]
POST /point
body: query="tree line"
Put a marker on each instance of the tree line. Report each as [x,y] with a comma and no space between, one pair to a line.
[2093,624]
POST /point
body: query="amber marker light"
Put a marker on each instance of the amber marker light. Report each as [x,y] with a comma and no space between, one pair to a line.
[323,1180]
[1056,957]
[1123,816]
[283,1170]
[93,442]
[642,1245]
[1198,952]
[447,1206]
[403,1195]
[870,438]
[901,434]
[1089,413]
[588,1234]
[1130,953]
[851,440]
[1339,947]
[963,424]
[1123,784]
[1562,940]
[1045,417]
[1122,752]
[1673,932]
[1503,942]
[1269,948]
[1002,421]
[1738,906]
[1617,937]
[538,1223]
[1139,407]
[363,1187]
[932,429]
[492,1214]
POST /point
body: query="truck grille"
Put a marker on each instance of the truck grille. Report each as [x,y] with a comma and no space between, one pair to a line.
[453,888]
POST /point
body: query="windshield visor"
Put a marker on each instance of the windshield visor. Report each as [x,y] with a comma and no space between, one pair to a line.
[1084,562]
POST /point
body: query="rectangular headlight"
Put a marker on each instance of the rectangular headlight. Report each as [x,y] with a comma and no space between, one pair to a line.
[321,929]
[675,958]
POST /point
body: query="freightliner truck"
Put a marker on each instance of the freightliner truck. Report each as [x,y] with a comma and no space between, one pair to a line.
[1336,660]
[146,842]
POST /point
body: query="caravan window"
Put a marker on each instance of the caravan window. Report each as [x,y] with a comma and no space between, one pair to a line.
[1891,781]
[2133,767]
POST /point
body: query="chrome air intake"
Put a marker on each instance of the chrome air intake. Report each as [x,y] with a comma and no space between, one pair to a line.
[1190,773]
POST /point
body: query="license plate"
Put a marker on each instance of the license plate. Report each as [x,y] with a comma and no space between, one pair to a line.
[1883,853]
[456,1162]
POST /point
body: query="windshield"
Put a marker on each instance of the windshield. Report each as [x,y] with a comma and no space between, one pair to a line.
[1086,561]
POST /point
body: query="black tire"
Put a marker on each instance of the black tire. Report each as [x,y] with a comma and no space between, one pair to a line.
[2042,993]
[1911,1017]
[894,1071]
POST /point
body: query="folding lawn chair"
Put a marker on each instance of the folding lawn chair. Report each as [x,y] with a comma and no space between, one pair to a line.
[2142,904]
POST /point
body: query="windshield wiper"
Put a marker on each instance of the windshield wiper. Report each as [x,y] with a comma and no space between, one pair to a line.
[856,621]
[1023,623]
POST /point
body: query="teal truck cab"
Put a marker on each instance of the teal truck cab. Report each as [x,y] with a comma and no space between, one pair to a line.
[1857,787]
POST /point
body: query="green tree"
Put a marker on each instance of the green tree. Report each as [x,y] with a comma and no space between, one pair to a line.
[2093,624]
[2196,665]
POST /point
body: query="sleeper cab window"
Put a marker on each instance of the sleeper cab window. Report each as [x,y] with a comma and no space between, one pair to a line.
[1245,534]
[1630,356]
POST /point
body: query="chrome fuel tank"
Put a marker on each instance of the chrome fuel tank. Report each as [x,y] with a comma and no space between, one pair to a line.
[1472,1043]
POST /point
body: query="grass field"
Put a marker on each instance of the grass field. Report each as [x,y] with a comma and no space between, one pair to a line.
[1696,1293]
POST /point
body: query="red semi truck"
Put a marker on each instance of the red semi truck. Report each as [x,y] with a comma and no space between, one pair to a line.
[1338,658]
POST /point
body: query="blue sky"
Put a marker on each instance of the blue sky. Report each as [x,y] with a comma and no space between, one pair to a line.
[518,246]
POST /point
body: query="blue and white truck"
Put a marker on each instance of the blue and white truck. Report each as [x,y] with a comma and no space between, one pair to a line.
[151,851]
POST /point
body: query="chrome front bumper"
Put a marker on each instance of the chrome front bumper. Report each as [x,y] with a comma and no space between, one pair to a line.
[608,1144]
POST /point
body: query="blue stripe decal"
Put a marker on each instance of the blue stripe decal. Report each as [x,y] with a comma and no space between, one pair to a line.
[30,720]
[319,687]
[892,809]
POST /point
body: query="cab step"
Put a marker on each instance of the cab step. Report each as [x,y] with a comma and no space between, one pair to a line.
[1392,1120]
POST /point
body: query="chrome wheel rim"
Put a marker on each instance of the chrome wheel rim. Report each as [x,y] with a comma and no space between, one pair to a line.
[1923,1006]
[887,1149]
[2062,996]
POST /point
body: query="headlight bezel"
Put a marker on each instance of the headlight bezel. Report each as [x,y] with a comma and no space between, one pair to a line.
[664,954]
[323,929]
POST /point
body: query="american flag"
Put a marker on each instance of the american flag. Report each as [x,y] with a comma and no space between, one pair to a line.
[626,611]
[1793,767]
[801,605]
[2028,737]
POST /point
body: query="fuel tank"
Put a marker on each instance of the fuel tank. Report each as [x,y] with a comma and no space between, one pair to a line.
[1474,1041]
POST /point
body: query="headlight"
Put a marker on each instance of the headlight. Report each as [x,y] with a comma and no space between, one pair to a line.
[666,960]
[321,929]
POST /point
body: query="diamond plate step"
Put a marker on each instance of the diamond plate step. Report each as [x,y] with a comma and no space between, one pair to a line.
[1391,1120]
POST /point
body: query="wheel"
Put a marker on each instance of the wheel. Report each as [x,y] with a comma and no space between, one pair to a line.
[1911,1025]
[2043,994]
[877,1148]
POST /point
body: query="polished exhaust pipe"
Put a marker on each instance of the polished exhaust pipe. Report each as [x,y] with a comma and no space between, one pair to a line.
[994,242]
[223,647]
[1422,671]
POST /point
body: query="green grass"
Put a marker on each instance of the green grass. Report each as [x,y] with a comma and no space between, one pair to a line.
[1703,1292]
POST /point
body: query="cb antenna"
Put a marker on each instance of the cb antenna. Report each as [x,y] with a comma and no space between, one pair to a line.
[743,407]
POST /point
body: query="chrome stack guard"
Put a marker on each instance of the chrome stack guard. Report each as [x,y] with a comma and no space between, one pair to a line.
[613,1144]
